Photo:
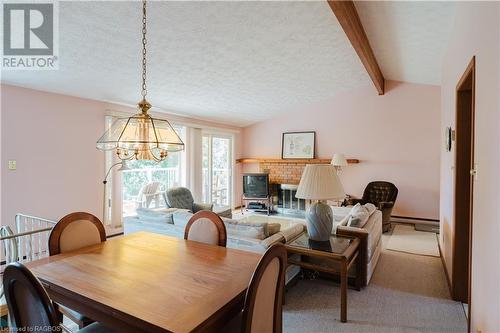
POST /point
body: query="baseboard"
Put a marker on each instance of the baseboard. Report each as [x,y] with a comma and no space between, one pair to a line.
[413,220]
[448,280]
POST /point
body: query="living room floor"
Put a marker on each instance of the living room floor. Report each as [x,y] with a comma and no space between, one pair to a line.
[407,293]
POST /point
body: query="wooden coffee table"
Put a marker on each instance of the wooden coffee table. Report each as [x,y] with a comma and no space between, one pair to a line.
[340,249]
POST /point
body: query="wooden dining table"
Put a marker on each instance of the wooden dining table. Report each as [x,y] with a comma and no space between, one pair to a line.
[146,282]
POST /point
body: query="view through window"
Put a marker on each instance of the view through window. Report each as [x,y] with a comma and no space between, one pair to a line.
[145,183]
[217,169]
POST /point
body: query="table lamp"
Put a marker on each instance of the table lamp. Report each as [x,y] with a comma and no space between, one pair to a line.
[320,182]
[339,161]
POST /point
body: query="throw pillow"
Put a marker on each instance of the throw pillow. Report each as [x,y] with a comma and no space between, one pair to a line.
[355,208]
[359,218]
[273,228]
[371,208]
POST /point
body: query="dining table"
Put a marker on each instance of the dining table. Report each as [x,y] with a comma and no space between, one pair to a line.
[147,282]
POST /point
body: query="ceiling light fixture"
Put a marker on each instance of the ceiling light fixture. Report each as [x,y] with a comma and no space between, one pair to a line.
[140,136]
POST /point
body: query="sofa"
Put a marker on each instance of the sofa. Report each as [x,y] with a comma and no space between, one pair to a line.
[254,233]
[370,235]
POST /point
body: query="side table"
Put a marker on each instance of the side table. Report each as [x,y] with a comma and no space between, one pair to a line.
[341,249]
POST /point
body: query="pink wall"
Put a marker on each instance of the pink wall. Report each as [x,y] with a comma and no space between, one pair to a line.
[476,32]
[53,138]
[396,136]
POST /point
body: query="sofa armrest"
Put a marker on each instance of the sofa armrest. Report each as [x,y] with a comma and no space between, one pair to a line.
[271,240]
[202,206]
[362,234]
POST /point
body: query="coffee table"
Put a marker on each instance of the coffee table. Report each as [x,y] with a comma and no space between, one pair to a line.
[339,249]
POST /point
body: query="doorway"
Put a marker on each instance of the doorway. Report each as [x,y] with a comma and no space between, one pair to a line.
[464,185]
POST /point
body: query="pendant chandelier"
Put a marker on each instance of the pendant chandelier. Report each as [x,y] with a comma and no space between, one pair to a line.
[140,136]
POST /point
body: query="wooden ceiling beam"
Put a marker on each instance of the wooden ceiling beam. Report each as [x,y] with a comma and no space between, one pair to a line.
[348,17]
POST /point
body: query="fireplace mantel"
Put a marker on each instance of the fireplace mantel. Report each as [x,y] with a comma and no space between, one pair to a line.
[286,171]
[292,161]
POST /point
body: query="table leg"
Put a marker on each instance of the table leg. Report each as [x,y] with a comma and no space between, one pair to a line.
[343,291]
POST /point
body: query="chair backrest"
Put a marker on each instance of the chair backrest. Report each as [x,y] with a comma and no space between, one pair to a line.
[180,197]
[380,191]
[74,231]
[150,188]
[262,311]
[206,227]
[28,303]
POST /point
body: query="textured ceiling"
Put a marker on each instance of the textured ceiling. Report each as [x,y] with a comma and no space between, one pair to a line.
[408,38]
[235,62]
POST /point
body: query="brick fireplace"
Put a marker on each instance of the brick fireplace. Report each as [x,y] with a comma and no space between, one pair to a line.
[283,173]
[284,176]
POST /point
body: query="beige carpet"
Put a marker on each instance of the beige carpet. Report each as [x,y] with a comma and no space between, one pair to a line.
[408,293]
[406,239]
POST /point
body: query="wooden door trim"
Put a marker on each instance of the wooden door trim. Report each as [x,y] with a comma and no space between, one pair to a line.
[469,71]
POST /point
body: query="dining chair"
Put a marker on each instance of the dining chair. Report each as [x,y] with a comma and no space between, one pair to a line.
[73,232]
[30,307]
[263,308]
[206,227]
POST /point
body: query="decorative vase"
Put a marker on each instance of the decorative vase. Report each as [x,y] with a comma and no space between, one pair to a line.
[319,218]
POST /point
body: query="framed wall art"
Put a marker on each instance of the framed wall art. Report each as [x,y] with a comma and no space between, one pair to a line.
[298,145]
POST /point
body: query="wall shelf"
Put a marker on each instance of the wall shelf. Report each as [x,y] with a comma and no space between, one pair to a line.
[297,161]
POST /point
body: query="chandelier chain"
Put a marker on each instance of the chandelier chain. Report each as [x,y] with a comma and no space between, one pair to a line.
[144,41]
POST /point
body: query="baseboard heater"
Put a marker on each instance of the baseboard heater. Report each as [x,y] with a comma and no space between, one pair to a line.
[421,224]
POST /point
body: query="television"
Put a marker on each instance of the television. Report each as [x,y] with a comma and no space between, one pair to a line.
[256,185]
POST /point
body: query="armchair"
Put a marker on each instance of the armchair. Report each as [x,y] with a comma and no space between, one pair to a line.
[383,195]
[181,197]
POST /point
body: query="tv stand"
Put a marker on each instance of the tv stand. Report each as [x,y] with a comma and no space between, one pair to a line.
[268,200]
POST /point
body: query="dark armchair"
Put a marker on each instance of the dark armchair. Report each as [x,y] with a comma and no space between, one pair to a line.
[383,195]
[181,197]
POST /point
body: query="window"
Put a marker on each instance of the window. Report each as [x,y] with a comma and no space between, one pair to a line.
[145,182]
[217,169]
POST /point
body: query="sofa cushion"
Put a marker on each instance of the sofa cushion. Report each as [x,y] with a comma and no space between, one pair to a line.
[236,228]
[181,217]
[159,215]
[358,217]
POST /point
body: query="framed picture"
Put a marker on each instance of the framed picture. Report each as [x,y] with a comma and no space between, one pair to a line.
[297,145]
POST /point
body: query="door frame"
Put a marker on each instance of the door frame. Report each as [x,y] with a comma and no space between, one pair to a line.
[470,72]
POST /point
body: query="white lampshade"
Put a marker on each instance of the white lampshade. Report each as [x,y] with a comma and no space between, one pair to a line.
[320,182]
[339,160]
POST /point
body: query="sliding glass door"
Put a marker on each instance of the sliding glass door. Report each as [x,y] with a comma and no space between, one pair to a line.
[144,184]
[217,169]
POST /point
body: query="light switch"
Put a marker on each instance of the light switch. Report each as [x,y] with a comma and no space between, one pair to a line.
[12,165]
